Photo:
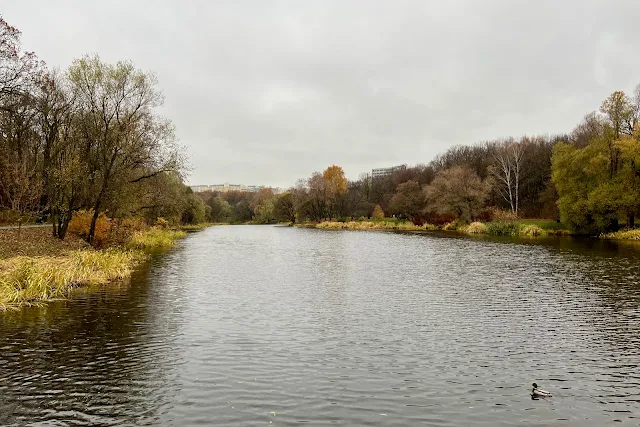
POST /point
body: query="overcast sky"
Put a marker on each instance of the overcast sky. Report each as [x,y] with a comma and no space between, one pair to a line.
[265,92]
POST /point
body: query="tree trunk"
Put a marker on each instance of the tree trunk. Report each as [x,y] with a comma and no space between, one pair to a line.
[63,225]
[94,220]
[631,220]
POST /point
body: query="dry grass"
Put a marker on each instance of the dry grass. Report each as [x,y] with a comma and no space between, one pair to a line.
[532,230]
[633,234]
[476,228]
[37,242]
[39,267]
[154,238]
[196,227]
[374,225]
[28,280]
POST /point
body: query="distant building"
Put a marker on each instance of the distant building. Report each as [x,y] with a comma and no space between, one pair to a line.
[380,172]
[199,188]
[223,188]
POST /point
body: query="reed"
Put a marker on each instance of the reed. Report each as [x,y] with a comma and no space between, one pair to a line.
[154,238]
[532,230]
[633,234]
[28,280]
[476,228]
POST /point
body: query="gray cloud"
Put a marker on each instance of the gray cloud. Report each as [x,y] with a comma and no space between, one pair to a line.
[266,92]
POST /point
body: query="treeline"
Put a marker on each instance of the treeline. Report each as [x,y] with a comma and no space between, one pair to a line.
[588,178]
[86,138]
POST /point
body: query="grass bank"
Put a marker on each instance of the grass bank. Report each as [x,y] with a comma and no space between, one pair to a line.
[40,268]
[523,228]
[29,280]
[155,238]
[633,234]
[196,227]
[369,225]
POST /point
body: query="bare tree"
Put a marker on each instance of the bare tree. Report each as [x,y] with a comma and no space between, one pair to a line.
[507,171]
[22,188]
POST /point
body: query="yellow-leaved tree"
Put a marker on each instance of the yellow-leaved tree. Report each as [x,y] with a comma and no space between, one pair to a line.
[336,188]
[378,213]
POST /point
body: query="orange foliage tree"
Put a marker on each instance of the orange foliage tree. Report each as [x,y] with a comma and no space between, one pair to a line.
[336,185]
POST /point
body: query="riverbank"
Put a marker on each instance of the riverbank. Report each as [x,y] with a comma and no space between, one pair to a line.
[528,228]
[36,267]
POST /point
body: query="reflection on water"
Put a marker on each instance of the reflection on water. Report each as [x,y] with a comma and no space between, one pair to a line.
[278,326]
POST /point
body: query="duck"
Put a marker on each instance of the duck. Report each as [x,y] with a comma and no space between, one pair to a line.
[537,393]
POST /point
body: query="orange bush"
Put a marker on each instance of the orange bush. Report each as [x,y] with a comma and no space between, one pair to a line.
[81,223]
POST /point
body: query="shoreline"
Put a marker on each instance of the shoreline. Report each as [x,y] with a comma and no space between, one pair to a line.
[518,228]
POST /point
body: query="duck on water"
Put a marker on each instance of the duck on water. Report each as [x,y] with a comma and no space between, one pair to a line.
[538,393]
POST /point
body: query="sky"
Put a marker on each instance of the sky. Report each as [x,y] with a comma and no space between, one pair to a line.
[266,92]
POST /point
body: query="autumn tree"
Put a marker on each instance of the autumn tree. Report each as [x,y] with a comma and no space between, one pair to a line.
[409,201]
[284,207]
[316,206]
[378,213]
[458,190]
[620,113]
[335,188]
[358,194]
[123,139]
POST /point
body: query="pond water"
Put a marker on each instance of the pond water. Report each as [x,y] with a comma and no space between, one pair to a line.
[279,326]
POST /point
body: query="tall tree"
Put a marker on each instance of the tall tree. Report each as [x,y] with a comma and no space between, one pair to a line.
[124,141]
[408,201]
[335,187]
[507,172]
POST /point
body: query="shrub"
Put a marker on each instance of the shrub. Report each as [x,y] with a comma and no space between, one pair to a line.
[633,234]
[456,224]
[532,230]
[161,223]
[499,228]
[122,230]
[502,215]
[476,228]
[81,223]
[378,213]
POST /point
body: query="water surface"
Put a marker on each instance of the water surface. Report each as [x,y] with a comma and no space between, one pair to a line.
[261,325]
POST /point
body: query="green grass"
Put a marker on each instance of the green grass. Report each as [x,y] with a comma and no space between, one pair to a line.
[155,238]
[499,228]
[29,280]
[542,223]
